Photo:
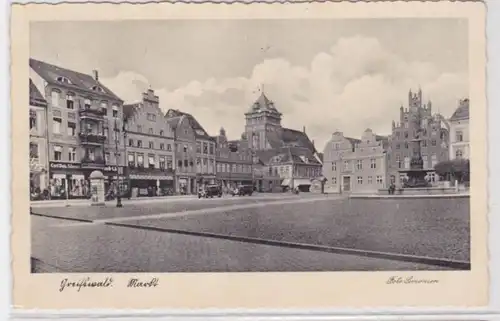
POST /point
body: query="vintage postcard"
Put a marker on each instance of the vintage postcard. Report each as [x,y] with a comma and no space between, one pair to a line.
[315,155]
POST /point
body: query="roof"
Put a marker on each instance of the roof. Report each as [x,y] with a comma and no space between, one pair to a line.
[288,154]
[353,141]
[36,98]
[78,81]
[174,121]
[462,112]
[263,103]
[199,131]
[129,110]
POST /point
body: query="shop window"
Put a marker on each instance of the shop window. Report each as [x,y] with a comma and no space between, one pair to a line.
[131,160]
[151,161]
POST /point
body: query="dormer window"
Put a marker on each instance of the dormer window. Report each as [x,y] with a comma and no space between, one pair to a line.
[63,80]
[98,89]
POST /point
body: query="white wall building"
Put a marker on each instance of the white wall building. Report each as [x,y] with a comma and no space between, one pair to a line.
[459,131]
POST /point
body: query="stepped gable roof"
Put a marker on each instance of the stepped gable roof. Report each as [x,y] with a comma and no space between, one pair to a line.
[462,112]
[78,81]
[36,98]
[129,110]
[199,131]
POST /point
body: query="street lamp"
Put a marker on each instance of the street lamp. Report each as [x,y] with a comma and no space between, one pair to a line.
[118,189]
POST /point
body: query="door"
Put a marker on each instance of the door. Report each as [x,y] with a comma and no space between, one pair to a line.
[346,183]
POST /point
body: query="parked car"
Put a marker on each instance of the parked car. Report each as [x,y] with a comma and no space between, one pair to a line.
[243,190]
[210,191]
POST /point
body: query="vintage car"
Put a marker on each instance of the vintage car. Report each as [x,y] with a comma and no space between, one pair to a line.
[243,190]
[210,191]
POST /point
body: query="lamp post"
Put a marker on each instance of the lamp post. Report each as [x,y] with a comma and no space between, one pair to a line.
[118,189]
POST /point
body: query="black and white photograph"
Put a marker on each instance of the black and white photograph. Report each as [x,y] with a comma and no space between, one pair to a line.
[249,145]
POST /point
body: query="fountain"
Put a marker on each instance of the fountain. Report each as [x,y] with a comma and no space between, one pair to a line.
[416,173]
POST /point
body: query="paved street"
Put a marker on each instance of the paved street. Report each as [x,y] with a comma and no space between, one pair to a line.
[258,233]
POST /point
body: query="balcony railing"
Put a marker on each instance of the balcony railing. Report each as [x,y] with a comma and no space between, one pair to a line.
[96,113]
[92,161]
[92,138]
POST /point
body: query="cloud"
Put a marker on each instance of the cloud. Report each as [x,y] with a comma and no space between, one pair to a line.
[355,85]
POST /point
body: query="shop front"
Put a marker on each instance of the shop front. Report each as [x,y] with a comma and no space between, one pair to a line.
[151,182]
[186,185]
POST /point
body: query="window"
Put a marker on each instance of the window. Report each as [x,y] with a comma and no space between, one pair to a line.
[433,142]
[434,160]
[87,103]
[131,142]
[398,161]
[373,163]
[151,161]
[32,119]
[63,80]
[360,180]
[198,147]
[211,149]
[139,143]
[71,129]
[140,160]
[162,146]
[184,148]
[139,128]
[393,179]
[151,145]
[424,143]
[104,107]
[425,161]
[56,125]
[379,179]
[406,145]
[370,180]
[334,180]
[406,126]
[131,160]
[169,147]
[359,164]
[432,177]
[70,104]
[57,153]
[106,157]
[205,148]
[162,162]
[459,153]
[33,150]
[90,154]
[151,131]
[205,162]
[406,134]
[54,97]
[407,162]
[334,166]
[161,132]
[115,111]
[346,165]
[459,136]
[398,146]
[169,163]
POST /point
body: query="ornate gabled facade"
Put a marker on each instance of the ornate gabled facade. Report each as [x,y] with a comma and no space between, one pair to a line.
[434,135]
[356,165]
[205,148]
[459,131]
[81,135]
[149,147]
[284,153]
[233,162]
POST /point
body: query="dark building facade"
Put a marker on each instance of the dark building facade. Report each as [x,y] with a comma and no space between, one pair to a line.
[434,135]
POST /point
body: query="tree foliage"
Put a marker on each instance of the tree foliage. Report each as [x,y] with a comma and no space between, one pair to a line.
[458,169]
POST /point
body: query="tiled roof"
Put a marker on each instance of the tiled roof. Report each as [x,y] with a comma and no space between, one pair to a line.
[129,110]
[199,131]
[297,138]
[36,98]
[263,103]
[287,154]
[462,112]
[173,121]
[79,81]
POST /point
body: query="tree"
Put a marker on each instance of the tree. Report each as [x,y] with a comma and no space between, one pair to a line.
[458,169]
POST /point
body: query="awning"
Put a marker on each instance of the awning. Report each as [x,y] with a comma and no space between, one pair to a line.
[285,182]
[301,181]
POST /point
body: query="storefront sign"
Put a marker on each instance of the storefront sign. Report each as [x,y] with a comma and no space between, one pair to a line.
[59,165]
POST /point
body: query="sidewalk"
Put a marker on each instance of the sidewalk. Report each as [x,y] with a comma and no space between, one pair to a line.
[87,202]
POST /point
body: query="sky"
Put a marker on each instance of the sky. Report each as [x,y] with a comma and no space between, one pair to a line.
[327,75]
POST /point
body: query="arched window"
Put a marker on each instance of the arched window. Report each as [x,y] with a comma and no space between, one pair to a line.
[63,80]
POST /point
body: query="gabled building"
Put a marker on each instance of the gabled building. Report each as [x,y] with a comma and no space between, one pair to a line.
[39,162]
[149,147]
[459,131]
[356,165]
[285,153]
[205,149]
[429,128]
[233,162]
[82,135]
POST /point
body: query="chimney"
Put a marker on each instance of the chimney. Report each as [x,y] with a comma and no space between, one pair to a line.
[96,74]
